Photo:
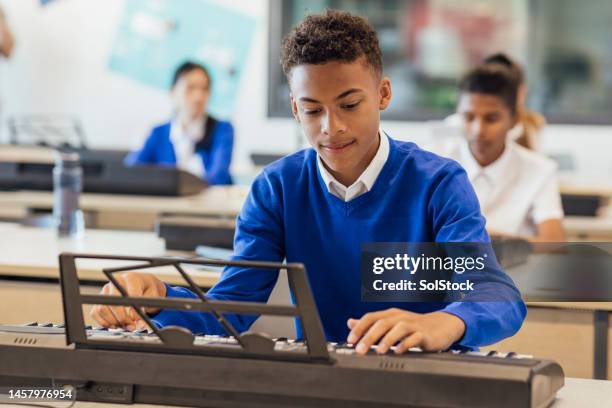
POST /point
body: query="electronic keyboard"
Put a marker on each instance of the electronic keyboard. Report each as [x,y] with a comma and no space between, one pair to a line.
[172,366]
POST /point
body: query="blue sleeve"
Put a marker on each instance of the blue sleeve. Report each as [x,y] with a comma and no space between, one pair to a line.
[456,217]
[218,171]
[146,154]
[259,236]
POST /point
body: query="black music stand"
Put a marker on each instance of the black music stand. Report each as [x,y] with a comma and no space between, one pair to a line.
[176,339]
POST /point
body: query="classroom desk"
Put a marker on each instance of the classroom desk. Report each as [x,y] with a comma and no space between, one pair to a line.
[597,228]
[584,184]
[577,393]
[575,334]
[110,211]
[589,228]
[29,268]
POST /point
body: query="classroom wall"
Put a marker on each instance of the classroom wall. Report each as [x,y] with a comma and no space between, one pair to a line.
[60,66]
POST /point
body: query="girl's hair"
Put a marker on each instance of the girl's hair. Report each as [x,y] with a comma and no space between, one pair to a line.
[532,122]
[492,79]
[503,59]
[187,67]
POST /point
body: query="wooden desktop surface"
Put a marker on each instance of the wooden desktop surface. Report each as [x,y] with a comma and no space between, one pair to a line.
[586,184]
[215,200]
[29,268]
[29,252]
[589,228]
[129,212]
[108,211]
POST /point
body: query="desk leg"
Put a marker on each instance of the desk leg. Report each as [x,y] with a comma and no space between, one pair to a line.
[600,362]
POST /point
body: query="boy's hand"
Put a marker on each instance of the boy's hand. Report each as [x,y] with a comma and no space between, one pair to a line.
[431,331]
[136,285]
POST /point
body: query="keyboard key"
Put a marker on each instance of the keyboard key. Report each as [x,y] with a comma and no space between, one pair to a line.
[478,353]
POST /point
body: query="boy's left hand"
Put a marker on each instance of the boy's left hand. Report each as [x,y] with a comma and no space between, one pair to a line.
[430,331]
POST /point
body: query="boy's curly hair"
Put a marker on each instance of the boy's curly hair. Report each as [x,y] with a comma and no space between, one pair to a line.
[332,36]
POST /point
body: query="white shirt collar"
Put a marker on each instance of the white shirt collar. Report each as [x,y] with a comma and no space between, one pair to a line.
[184,140]
[366,180]
[193,132]
[495,170]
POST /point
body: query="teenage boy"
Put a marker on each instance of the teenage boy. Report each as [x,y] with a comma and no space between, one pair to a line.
[355,185]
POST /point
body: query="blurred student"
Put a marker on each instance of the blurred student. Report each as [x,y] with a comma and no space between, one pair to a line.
[529,123]
[7,42]
[193,140]
[517,188]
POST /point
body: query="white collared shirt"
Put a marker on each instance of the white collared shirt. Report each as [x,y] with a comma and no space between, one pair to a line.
[365,181]
[184,140]
[516,192]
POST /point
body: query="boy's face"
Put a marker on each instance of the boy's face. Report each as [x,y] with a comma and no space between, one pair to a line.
[338,106]
[487,120]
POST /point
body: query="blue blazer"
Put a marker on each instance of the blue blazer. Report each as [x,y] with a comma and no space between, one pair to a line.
[215,149]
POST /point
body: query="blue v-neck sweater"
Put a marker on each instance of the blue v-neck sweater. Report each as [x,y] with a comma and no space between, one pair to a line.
[289,214]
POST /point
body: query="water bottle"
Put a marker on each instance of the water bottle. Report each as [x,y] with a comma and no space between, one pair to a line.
[67,186]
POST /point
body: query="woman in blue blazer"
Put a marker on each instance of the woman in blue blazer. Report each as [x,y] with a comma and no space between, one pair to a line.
[193,140]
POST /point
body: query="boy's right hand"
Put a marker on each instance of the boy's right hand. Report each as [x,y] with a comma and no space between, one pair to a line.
[136,285]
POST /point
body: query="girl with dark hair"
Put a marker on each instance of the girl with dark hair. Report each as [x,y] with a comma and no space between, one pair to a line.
[193,140]
[517,188]
[529,123]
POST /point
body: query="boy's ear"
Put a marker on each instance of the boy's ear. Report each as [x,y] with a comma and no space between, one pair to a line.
[384,93]
[294,108]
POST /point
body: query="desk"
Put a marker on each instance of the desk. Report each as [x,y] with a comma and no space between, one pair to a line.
[570,333]
[575,334]
[584,184]
[584,393]
[110,211]
[589,228]
[577,393]
[29,268]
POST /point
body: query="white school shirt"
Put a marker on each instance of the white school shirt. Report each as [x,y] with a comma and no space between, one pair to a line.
[516,192]
[184,141]
[365,181]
